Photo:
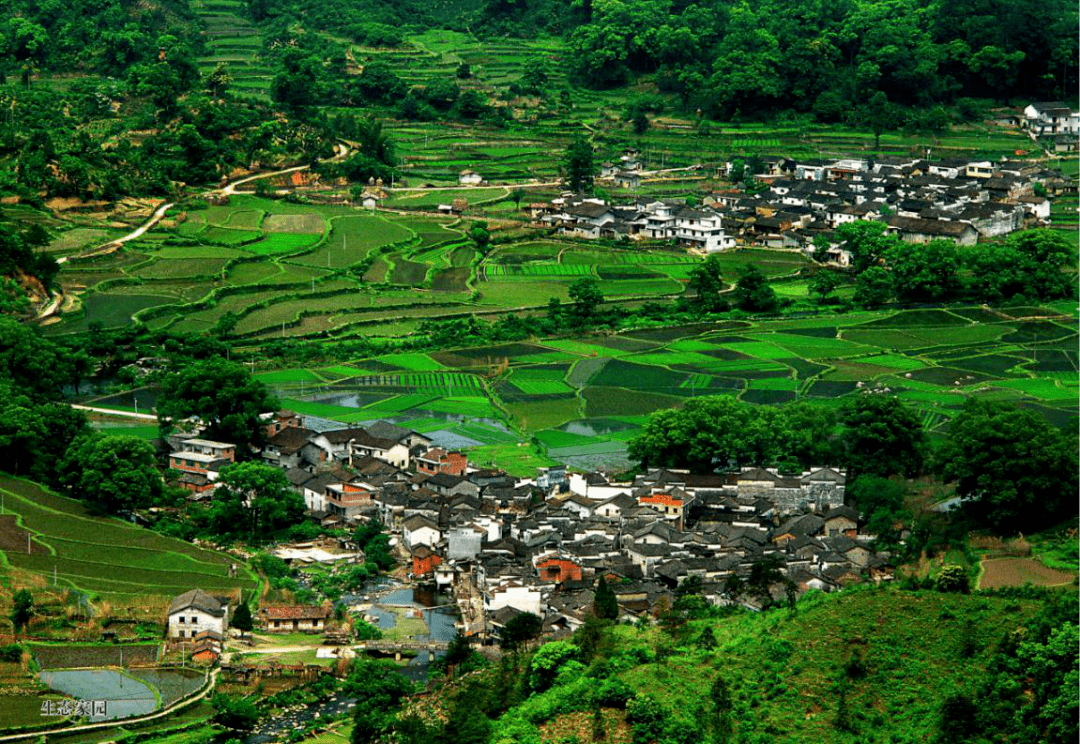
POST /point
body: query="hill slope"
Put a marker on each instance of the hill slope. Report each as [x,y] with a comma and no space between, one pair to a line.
[867,665]
[102,555]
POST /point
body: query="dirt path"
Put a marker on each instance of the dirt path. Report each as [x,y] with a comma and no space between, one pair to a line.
[340,152]
[115,412]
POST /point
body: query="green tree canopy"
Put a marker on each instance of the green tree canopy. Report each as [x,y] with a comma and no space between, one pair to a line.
[883,436]
[257,493]
[579,171]
[22,609]
[873,287]
[586,295]
[118,472]
[866,241]
[236,713]
[927,272]
[705,281]
[520,629]
[753,292]
[1018,471]
[223,396]
[719,432]
[605,605]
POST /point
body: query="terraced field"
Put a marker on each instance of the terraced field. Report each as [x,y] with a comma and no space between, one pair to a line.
[234,41]
[106,556]
[258,269]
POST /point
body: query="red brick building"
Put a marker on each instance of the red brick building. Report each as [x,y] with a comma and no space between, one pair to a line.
[438,460]
[559,570]
[424,561]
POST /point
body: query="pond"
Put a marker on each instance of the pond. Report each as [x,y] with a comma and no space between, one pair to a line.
[124,696]
[595,427]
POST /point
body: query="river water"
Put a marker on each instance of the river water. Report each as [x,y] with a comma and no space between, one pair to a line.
[376,601]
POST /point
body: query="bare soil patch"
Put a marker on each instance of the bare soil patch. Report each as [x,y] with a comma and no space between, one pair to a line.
[999,572]
[13,538]
[294,223]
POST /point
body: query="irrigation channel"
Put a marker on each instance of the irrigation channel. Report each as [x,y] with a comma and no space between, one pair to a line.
[383,601]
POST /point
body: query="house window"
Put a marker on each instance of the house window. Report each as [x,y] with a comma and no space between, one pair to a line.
[180,634]
[181,618]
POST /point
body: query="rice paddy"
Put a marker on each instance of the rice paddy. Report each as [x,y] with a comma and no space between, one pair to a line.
[549,389]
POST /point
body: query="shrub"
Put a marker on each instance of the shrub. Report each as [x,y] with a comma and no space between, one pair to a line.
[953,578]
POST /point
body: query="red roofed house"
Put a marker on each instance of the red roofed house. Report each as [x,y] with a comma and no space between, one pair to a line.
[558,569]
[424,561]
[671,503]
[294,618]
[438,460]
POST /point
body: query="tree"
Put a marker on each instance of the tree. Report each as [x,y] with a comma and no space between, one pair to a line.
[753,293]
[261,494]
[548,661]
[298,81]
[118,472]
[953,578]
[587,297]
[1015,470]
[34,437]
[519,629]
[35,367]
[709,433]
[866,241]
[578,168]
[22,609]
[925,272]
[722,704]
[223,396]
[881,501]
[378,687]
[237,713]
[822,284]
[764,574]
[534,77]
[705,281]
[517,195]
[883,436]
[219,80]
[605,604]
[879,115]
[873,287]
[241,619]
[479,235]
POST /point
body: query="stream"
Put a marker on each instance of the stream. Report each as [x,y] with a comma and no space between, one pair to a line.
[376,601]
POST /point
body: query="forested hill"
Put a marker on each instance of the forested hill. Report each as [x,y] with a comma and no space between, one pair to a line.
[748,57]
[95,36]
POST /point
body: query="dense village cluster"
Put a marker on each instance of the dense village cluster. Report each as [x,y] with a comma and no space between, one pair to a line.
[797,204]
[503,545]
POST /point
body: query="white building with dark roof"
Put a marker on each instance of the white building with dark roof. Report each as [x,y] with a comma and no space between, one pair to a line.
[194,612]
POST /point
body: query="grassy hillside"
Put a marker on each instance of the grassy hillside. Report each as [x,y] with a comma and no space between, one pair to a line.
[867,665]
[100,555]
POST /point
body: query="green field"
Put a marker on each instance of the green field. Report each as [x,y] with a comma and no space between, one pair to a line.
[551,384]
[106,556]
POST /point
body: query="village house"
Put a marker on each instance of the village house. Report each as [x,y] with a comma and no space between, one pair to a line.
[293,618]
[196,611]
[438,460]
